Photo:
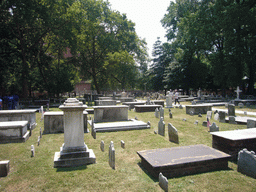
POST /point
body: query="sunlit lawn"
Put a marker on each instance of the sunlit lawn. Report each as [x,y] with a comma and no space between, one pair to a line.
[38,174]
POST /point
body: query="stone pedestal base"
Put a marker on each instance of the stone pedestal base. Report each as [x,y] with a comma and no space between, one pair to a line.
[73,157]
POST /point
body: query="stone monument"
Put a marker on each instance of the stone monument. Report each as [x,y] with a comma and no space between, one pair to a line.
[169,100]
[74,151]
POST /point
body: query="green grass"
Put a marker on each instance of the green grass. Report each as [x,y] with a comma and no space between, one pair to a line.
[38,174]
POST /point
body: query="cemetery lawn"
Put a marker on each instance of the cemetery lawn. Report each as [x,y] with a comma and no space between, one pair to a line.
[37,173]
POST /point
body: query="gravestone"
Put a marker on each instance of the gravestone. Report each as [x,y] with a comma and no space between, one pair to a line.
[170,114]
[238,91]
[232,120]
[4,168]
[180,107]
[157,113]
[169,100]
[231,110]
[251,123]
[213,127]
[161,127]
[163,182]
[32,151]
[240,105]
[38,141]
[161,111]
[222,116]
[102,146]
[209,114]
[74,151]
[204,123]
[246,163]
[193,102]
[111,154]
[217,117]
[40,132]
[196,122]
[122,144]
[199,115]
[173,133]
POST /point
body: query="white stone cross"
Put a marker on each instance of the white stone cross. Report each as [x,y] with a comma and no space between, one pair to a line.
[237,92]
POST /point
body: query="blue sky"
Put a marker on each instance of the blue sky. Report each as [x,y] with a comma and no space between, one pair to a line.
[146,14]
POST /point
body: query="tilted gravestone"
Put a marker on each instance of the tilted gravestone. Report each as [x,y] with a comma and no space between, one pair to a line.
[173,133]
[251,123]
[157,113]
[222,116]
[213,127]
[246,163]
[163,182]
[204,123]
[231,110]
[170,114]
[232,120]
[161,127]
[111,155]
[102,146]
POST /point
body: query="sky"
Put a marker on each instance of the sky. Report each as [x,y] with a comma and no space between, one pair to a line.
[146,14]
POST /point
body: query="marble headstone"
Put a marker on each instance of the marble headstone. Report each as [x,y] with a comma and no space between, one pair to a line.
[173,133]
[246,163]
[213,127]
[163,182]
[231,110]
[161,127]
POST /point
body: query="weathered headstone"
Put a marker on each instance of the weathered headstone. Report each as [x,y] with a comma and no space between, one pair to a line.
[232,120]
[199,115]
[38,141]
[222,116]
[170,114]
[161,111]
[173,133]
[4,168]
[216,117]
[193,102]
[157,113]
[251,123]
[122,144]
[180,107]
[204,123]
[161,127]
[209,114]
[32,151]
[111,155]
[169,100]
[102,146]
[246,163]
[184,119]
[240,105]
[196,122]
[163,182]
[213,127]
[231,110]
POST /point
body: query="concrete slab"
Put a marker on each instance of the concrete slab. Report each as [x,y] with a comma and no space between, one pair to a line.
[146,108]
[181,161]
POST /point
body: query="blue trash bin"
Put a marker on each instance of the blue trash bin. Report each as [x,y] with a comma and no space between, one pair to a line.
[1,104]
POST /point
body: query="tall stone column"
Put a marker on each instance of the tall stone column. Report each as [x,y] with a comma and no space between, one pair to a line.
[74,151]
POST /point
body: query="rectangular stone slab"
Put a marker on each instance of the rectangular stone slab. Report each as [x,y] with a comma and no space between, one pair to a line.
[232,142]
[146,108]
[181,161]
[196,109]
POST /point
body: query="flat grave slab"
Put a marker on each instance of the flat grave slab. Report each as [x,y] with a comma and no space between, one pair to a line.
[241,120]
[231,142]
[13,131]
[131,124]
[196,109]
[158,102]
[181,161]
[131,104]
[146,108]
[244,101]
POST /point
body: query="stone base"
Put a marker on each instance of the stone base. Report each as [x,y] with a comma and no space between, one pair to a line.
[73,157]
